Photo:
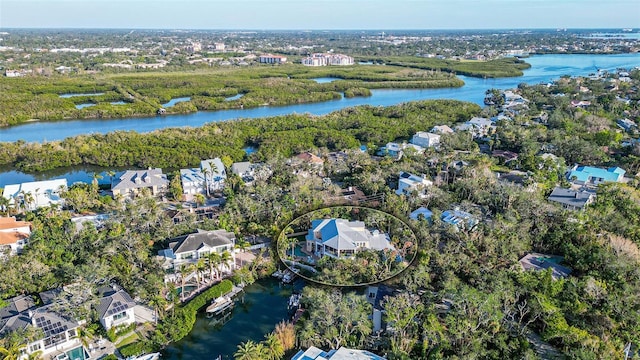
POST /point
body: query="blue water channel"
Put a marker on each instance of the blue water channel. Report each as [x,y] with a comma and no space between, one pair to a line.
[545,68]
[258,309]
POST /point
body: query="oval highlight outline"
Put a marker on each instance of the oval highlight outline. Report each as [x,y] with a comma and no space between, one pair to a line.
[315,281]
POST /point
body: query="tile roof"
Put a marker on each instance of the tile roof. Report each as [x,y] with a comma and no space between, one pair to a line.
[7,238]
[7,223]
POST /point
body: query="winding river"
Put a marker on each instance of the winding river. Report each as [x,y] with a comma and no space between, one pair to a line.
[544,68]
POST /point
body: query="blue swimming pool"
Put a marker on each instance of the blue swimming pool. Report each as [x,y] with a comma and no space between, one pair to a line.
[78,353]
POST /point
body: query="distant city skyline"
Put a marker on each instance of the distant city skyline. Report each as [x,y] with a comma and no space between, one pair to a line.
[320,14]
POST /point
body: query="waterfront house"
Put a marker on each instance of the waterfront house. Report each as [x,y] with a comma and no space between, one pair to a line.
[56,331]
[131,182]
[571,199]
[593,176]
[425,139]
[408,183]
[116,307]
[192,247]
[343,353]
[459,219]
[14,235]
[36,194]
[421,213]
[542,262]
[343,238]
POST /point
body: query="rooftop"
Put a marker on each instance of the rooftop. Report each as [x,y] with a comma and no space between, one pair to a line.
[540,262]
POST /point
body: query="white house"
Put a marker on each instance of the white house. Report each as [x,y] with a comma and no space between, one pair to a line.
[57,332]
[425,139]
[478,126]
[116,308]
[214,173]
[343,353]
[340,238]
[189,248]
[36,194]
[193,182]
[319,59]
[407,183]
[14,235]
[272,59]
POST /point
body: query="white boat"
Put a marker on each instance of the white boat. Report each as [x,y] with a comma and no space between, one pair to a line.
[278,274]
[219,305]
[152,356]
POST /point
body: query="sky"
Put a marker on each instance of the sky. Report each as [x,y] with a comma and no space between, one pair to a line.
[320,14]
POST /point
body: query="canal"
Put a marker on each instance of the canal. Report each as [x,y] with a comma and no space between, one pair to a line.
[257,311]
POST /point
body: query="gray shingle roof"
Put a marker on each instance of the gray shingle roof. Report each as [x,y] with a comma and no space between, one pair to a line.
[52,323]
[114,302]
[577,199]
[539,262]
[15,315]
[135,179]
[195,241]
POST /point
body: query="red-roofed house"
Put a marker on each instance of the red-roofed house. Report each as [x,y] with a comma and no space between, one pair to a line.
[14,235]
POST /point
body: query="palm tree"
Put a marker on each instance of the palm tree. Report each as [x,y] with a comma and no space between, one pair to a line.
[11,350]
[184,268]
[199,199]
[214,261]
[158,302]
[206,172]
[27,199]
[225,257]
[249,351]
[273,348]
[201,266]
[4,205]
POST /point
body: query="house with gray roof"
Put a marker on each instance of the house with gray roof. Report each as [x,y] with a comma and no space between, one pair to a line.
[58,331]
[116,308]
[571,199]
[189,248]
[344,238]
[130,182]
[542,262]
[245,170]
[478,126]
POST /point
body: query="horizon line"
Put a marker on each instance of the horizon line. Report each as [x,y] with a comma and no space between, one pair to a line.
[629,29]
